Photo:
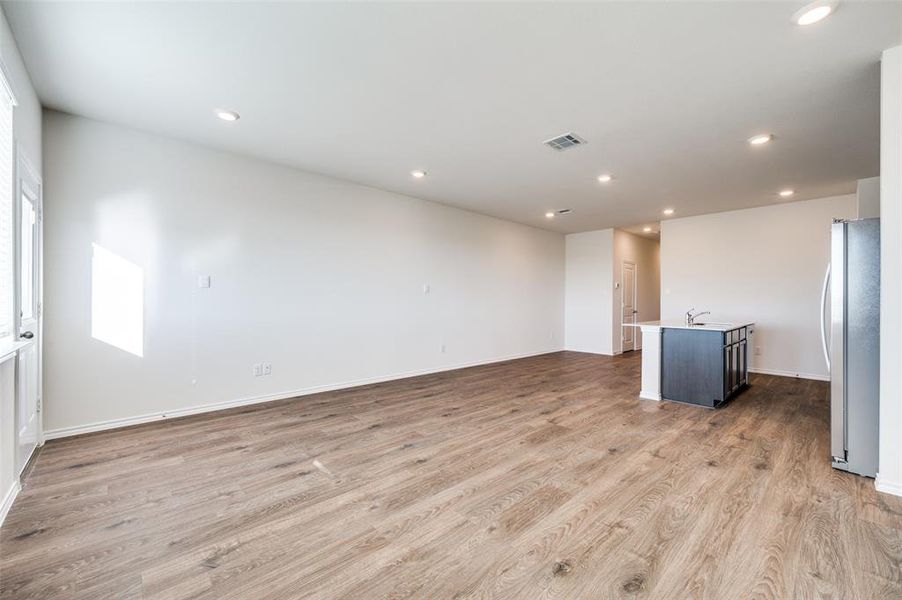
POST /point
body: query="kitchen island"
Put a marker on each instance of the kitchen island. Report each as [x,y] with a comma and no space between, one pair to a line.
[702,363]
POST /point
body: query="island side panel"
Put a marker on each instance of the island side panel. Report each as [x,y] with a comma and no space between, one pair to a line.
[651,363]
[692,366]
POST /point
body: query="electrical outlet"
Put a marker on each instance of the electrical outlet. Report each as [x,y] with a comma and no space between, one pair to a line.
[267,368]
[258,369]
[443,348]
[757,350]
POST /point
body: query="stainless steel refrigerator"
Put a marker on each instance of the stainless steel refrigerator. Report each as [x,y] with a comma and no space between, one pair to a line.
[850,333]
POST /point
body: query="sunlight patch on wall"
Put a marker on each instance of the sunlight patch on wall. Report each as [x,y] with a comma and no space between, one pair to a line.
[117,301]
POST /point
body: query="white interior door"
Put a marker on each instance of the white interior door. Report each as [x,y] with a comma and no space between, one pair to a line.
[628,305]
[29,276]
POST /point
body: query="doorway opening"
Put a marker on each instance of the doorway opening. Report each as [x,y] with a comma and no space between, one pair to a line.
[628,302]
[637,284]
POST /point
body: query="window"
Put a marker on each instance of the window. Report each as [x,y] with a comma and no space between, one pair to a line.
[27,245]
[7,102]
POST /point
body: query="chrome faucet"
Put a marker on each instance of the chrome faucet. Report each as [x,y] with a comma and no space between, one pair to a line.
[690,318]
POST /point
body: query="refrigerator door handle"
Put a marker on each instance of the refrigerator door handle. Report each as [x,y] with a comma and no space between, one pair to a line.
[825,316]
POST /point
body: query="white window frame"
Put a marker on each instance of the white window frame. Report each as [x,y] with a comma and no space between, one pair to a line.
[26,178]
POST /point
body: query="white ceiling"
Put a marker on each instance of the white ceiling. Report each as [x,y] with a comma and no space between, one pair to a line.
[665,93]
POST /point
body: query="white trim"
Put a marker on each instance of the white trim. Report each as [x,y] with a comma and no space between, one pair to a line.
[5,84]
[649,396]
[28,167]
[888,487]
[8,499]
[792,374]
[635,300]
[890,418]
[10,349]
[62,432]
[596,352]
[28,182]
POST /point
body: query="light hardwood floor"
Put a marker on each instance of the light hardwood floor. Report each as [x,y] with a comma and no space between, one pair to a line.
[538,478]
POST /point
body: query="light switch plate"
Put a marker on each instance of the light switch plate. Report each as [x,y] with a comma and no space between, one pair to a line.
[203,281]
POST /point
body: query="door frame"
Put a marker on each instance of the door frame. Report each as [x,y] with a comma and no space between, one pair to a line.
[27,177]
[636,344]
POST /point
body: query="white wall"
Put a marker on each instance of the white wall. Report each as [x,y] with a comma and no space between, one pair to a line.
[589,287]
[27,132]
[763,264]
[645,254]
[10,479]
[322,278]
[27,115]
[868,193]
[889,477]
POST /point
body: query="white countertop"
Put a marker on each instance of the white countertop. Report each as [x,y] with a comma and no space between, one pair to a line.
[681,324]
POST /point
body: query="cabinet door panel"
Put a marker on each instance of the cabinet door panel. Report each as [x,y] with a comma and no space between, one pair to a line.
[743,363]
[728,369]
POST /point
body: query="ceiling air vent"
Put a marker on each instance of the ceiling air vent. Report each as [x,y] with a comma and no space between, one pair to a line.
[562,142]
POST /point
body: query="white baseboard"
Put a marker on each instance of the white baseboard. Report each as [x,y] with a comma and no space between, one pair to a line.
[649,396]
[8,499]
[52,434]
[888,487]
[780,373]
[588,351]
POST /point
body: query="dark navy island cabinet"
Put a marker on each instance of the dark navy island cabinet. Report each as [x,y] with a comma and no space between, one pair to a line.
[704,367]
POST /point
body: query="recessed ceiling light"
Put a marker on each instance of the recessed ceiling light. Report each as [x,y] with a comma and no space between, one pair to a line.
[814,12]
[646,229]
[228,115]
[605,178]
[668,211]
[549,215]
[761,138]
[787,193]
[418,174]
